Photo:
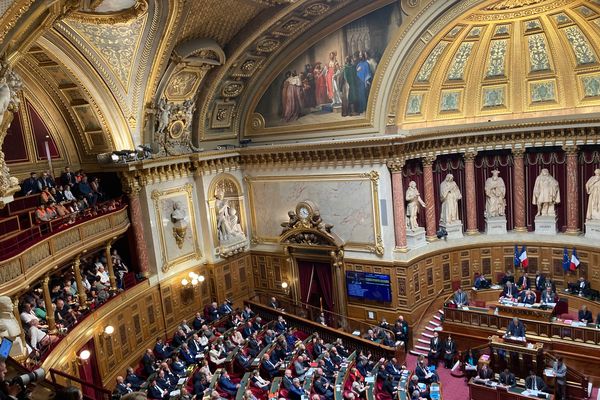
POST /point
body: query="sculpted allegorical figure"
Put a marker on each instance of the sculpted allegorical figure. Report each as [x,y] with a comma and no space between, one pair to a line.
[413,201]
[179,224]
[592,187]
[495,192]
[9,326]
[546,193]
[228,226]
[449,195]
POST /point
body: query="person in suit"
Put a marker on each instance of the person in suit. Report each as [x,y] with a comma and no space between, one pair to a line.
[585,315]
[273,303]
[68,177]
[390,387]
[226,308]
[280,325]
[393,369]
[186,355]
[529,297]
[461,298]
[523,282]
[413,386]
[271,368]
[134,381]
[157,392]
[560,372]
[510,291]
[198,322]
[213,312]
[288,379]
[300,368]
[507,378]
[259,381]
[449,352]
[401,332]
[248,330]
[148,360]
[322,386]
[481,282]
[515,328]
[540,282]
[581,287]
[161,350]
[247,313]
[297,391]
[534,382]
[253,345]
[227,385]
[177,365]
[423,373]
[30,185]
[435,349]
[548,296]
[485,372]
[179,338]
[508,277]
[243,360]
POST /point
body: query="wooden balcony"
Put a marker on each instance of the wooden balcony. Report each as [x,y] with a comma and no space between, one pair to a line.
[25,268]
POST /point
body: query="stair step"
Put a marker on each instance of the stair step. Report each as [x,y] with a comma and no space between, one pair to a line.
[441,312]
[423,341]
[430,328]
[427,335]
[434,323]
[421,348]
[437,317]
[417,353]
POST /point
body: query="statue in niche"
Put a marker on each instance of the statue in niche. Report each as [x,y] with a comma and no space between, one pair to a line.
[228,226]
[164,114]
[9,326]
[546,194]
[495,192]
[449,195]
[413,202]
[179,224]
[592,187]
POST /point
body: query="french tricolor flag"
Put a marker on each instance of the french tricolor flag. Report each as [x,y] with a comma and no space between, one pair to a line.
[574,261]
[523,258]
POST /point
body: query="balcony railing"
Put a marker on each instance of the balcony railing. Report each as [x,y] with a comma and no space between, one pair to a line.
[26,267]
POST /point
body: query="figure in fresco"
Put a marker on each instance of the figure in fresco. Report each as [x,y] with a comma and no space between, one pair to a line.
[179,224]
[495,191]
[283,93]
[363,71]
[350,90]
[320,85]
[332,67]
[308,87]
[413,202]
[449,195]
[592,187]
[292,108]
[546,193]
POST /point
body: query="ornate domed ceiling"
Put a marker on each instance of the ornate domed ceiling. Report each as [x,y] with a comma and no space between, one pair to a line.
[508,59]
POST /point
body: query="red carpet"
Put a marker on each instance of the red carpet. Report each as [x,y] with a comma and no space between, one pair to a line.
[452,388]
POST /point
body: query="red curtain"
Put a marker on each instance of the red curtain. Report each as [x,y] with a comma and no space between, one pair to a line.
[485,163]
[305,269]
[444,165]
[413,171]
[321,284]
[589,160]
[554,160]
[89,372]
[323,273]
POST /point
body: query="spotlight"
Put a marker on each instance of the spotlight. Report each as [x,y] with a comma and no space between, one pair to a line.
[84,355]
[109,330]
[284,285]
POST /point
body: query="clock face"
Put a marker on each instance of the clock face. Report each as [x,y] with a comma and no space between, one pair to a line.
[303,212]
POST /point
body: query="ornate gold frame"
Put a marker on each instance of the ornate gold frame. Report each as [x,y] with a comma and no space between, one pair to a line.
[373,176]
[157,196]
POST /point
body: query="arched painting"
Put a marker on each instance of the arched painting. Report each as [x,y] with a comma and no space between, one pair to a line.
[331,81]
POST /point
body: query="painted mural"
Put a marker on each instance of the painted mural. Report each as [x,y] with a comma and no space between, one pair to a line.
[331,81]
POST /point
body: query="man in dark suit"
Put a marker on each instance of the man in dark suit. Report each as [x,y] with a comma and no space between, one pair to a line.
[253,345]
[157,392]
[449,352]
[179,338]
[198,322]
[271,368]
[226,308]
[248,330]
[273,303]
[581,287]
[509,277]
[280,325]
[435,349]
[288,379]
[507,378]
[534,382]
[585,315]
[213,312]
[540,282]
[186,355]
[148,362]
[460,298]
[401,332]
[161,350]
[194,345]
[423,373]
[393,369]
[243,360]
[481,282]
[485,372]
[30,185]
[529,297]
[134,381]
[510,291]
[296,392]
[548,296]
[227,385]
[523,282]
[322,386]
[68,177]
[516,328]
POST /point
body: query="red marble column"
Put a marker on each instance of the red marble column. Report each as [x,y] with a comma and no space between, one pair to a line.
[430,222]
[572,195]
[395,167]
[470,195]
[137,225]
[519,190]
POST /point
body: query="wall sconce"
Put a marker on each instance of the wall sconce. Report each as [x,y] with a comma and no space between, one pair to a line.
[184,282]
[200,278]
[109,330]
[285,286]
[83,357]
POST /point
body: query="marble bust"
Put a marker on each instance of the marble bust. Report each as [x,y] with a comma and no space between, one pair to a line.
[179,224]
[495,192]
[413,202]
[546,194]
[449,195]
[592,187]
[9,326]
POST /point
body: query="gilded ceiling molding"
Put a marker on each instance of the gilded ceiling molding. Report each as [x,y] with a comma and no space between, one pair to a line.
[139,8]
[10,18]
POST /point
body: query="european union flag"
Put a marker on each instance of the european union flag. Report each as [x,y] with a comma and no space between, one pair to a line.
[517,261]
[566,260]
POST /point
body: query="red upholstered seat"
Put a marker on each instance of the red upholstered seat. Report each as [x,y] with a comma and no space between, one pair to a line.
[455,285]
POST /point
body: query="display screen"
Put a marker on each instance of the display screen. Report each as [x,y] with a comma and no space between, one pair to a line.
[363,285]
[5,347]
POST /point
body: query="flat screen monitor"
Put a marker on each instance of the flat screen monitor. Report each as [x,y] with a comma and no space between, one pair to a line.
[5,347]
[367,286]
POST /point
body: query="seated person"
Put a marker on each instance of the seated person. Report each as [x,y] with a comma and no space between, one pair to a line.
[259,382]
[424,374]
[585,315]
[548,296]
[470,364]
[581,287]
[507,378]
[271,368]
[515,328]
[523,282]
[460,298]
[481,282]
[510,291]
[529,297]
[509,277]
[322,386]
[296,392]
[485,372]
[227,385]
[413,386]
[534,382]
[389,387]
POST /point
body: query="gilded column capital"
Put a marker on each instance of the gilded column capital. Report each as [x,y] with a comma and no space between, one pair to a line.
[396,164]
[429,160]
[571,149]
[470,155]
[131,183]
[519,152]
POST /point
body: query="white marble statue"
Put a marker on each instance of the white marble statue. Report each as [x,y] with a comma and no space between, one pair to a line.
[228,226]
[449,195]
[9,327]
[592,187]
[413,202]
[164,114]
[179,224]
[495,192]
[546,194]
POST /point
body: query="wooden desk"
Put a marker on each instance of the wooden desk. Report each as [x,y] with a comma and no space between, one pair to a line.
[524,353]
[534,313]
[242,390]
[482,392]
